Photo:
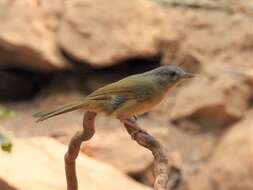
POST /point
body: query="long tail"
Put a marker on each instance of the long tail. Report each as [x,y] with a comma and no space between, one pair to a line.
[60,110]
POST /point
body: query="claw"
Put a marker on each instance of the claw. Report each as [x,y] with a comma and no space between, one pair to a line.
[130,121]
[135,117]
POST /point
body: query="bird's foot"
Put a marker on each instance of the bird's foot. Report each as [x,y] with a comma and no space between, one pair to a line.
[130,122]
[132,126]
[135,117]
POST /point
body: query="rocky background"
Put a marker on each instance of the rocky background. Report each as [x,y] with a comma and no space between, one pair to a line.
[53,52]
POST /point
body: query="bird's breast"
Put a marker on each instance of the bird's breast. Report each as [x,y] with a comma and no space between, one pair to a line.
[148,104]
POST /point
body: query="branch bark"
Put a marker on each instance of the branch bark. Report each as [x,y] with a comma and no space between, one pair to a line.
[74,147]
[167,177]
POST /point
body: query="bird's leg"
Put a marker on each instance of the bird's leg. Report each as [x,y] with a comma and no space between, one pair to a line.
[135,117]
[133,128]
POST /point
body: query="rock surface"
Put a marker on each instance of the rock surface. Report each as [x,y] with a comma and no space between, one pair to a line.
[104,32]
[82,30]
[229,6]
[216,98]
[231,165]
[28,34]
[216,36]
[37,163]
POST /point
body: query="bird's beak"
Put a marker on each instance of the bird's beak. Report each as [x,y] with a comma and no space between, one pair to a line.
[187,75]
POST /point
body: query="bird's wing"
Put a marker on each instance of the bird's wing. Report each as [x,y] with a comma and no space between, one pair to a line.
[133,87]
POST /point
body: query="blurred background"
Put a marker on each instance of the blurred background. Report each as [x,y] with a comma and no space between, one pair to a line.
[54,52]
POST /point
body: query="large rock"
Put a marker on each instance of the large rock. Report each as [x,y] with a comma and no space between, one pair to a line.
[37,163]
[231,165]
[210,98]
[203,30]
[217,97]
[104,32]
[28,34]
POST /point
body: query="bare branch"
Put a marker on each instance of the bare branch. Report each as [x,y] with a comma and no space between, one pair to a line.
[167,177]
[74,147]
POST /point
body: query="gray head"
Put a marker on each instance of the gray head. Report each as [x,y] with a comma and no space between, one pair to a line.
[170,74]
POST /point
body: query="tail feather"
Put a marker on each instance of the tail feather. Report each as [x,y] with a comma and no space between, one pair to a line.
[60,110]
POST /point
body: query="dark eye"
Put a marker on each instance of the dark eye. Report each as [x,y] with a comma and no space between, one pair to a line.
[173,74]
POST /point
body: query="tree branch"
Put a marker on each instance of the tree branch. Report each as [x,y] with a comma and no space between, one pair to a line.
[74,147]
[167,177]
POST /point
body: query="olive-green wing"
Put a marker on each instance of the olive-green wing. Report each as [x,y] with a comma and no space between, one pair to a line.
[133,87]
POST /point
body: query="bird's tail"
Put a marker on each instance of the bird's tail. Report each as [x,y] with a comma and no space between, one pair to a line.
[57,111]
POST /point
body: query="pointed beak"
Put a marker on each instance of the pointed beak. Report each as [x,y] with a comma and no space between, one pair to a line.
[187,75]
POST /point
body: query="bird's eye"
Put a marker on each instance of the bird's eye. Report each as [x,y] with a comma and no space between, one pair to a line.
[173,74]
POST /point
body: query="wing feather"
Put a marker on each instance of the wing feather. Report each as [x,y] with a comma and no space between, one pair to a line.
[133,87]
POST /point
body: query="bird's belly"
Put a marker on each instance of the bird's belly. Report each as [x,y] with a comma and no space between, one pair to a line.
[146,106]
[134,107]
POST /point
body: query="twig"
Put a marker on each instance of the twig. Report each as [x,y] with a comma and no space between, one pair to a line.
[167,177]
[74,147]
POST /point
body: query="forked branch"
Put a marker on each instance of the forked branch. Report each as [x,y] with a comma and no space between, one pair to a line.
[167,178]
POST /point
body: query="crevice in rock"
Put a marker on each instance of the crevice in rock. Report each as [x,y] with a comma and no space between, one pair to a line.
[129,65]
[207,120]
[20,84]
[92,77]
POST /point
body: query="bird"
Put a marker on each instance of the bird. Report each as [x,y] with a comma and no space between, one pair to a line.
[129,97]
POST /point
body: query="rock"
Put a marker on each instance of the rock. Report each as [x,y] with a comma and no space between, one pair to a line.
[245,7]
[231,167]
[189,61]
[198,181]
[28,34]
[209,99]
[231,164]
[229,6]
[216,98]
[92,33]
[202,32]
[37,163]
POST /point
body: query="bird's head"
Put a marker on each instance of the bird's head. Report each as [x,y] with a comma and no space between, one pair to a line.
[170,74]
